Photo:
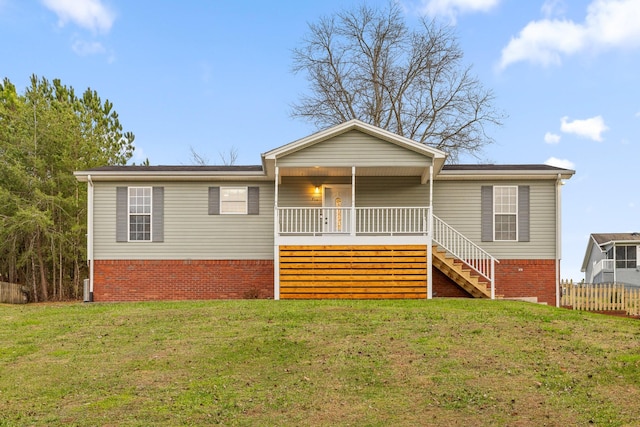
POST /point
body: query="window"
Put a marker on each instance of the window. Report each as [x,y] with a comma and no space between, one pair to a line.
[140,213]
[505,211]
[233,200]
[625,257]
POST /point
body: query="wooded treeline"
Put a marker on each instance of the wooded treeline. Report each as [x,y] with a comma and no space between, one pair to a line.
[46,133]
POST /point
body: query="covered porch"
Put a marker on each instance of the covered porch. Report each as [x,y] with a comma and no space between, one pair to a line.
[353,217]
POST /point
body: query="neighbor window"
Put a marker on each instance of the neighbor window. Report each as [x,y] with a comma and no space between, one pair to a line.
[140,213]
[233,200]
[505,211]
[625,257]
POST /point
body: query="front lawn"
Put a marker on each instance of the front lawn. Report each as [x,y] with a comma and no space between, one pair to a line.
[258,362]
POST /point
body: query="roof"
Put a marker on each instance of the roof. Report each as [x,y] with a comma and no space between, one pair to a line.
[170,168]
[493,167]
[604,239]
[266,171]
[492,171]
[150,173]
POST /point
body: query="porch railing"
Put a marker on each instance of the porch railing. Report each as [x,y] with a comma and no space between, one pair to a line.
[604,265]
[464,249]
[348,220]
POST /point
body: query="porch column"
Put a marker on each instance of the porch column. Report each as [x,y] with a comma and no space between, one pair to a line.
[430,238]
[353,200]
[276,241]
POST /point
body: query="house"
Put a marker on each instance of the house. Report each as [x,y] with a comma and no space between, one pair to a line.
[353,211]
[612,258]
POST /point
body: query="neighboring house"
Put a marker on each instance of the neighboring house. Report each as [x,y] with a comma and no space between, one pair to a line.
[353,211]
[612,258]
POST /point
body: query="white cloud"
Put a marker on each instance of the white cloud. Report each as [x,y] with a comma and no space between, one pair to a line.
[89,14]
[551,138]
[608,24]
[588,128]
[451,8]
[553,8]
[84,48]
[560,163]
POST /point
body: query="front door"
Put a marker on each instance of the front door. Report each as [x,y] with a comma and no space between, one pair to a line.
[336,212]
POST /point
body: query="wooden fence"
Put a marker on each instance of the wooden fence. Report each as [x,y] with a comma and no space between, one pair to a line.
[11,293]
[601,297]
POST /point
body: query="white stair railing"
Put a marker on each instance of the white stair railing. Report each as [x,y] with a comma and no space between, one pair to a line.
[464,249]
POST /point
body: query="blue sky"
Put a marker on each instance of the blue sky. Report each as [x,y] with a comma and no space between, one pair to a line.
[213,75]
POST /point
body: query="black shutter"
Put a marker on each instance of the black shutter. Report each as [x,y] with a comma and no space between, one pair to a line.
[122,223]
[523,213]
[214,200]
[157,214]
[253,200]
[486,208]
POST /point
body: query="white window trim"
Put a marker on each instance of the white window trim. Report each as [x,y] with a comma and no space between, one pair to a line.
[246,199]
[516,239]
[150,215]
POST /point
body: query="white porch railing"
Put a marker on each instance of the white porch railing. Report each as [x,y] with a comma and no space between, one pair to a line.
[368,221]
[392,221]
[465,250]
[605,265]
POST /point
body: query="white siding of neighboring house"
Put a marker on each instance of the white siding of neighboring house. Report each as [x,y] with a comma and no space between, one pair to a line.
[458,203]
[596,255]
[627,276]
[354,148]
[189,231]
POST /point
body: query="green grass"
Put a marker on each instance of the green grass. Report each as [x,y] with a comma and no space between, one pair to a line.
[363,363]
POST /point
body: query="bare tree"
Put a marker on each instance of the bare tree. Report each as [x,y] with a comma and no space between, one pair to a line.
[197,158]
[367,64]
[230,157]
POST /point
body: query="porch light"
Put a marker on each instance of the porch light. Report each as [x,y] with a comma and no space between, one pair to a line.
[317,190]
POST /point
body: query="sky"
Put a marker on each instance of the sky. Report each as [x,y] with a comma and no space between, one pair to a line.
[215,76]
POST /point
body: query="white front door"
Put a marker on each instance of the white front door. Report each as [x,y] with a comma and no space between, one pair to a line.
[336,205]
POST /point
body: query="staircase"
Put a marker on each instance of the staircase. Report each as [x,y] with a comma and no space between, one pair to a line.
[464,262]
[461,274]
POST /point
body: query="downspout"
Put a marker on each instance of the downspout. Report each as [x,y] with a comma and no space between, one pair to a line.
[558,236]
[90,234]
[430,237]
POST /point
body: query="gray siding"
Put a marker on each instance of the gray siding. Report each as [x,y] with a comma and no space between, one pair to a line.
[370,191]
[189,231]
[458,203]
[354,148]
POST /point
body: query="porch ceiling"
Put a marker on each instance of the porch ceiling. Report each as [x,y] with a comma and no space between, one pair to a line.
[345,171]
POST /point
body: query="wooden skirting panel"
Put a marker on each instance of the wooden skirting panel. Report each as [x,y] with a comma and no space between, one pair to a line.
[353,272]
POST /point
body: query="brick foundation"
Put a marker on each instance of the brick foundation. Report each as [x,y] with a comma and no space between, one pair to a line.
[527,278]
[443,287]
[146,280]
[515,278]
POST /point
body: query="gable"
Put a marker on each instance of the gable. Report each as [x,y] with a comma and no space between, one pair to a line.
[354,148]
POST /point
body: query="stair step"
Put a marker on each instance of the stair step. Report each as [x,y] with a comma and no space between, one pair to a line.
[461,273]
